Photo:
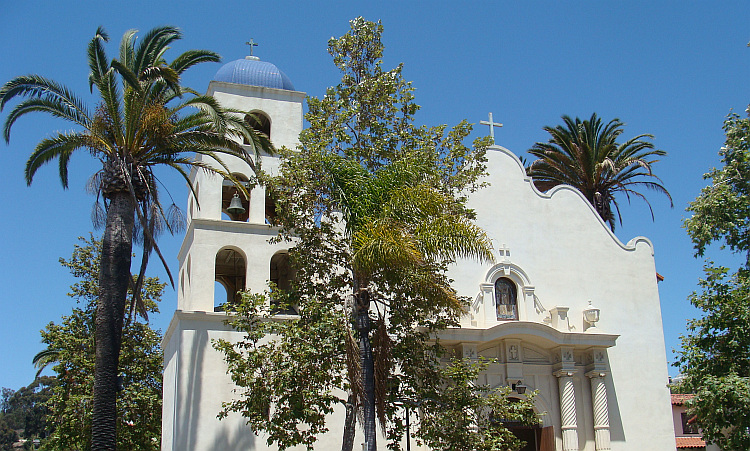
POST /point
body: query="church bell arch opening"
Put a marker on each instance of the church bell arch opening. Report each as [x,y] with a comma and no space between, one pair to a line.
[231,274]
[260,122]
[281,274]
[231,197]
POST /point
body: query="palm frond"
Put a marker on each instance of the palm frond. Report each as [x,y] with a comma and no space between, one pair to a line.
[128,76]
[44,358]
[41,92]
[376,245]
[152,46]
[190,58]
[127,48]
[102,75]
[54,106]
[60,146]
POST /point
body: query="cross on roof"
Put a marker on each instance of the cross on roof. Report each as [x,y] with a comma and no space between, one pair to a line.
[492,127]
[252,44]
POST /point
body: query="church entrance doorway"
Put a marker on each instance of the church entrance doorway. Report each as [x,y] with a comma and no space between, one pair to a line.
[536,438]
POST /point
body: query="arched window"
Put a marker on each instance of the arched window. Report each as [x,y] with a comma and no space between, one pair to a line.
[270,209]
[281,275]
[230,273]
[506,300]
[228,191]
[259,122]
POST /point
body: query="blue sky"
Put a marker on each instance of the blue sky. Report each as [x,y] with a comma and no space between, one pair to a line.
[673,69]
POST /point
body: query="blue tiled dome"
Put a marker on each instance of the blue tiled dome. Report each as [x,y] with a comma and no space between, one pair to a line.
[254,72]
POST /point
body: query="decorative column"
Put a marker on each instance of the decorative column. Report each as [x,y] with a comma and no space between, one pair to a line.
[601,411]
[568,409]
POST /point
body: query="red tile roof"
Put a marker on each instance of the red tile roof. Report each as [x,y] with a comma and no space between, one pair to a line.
[679,399]
[690,442]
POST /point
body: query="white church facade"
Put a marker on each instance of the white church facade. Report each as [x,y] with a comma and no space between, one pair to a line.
[566,309]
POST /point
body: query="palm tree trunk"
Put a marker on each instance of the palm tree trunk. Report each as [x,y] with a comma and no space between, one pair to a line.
[114,274]
[368,367]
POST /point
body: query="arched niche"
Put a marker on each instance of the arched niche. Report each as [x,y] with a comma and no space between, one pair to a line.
[281,275]
[260,122]
[510,280]
[230,272]
[228,191]
[506,299]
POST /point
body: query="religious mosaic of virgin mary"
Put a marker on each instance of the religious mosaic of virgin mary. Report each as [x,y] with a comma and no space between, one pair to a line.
[505,298]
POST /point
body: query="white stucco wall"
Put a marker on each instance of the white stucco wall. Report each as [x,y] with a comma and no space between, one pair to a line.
[569,257]
[196,384]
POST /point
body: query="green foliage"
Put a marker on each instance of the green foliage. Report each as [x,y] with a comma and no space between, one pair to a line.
[721,213]
[72,339]
[374,208]
[8,436]
[26,410]
[715,354]
[715,357]
[288,382]
[466,416]
[585,154]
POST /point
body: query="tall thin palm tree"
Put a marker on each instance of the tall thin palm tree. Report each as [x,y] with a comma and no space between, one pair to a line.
[400,228]
[585,154]
[144,119]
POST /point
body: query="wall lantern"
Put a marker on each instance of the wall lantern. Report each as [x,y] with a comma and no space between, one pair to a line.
[518,388]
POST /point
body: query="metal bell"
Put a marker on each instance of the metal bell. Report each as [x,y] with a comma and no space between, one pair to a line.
[235,206]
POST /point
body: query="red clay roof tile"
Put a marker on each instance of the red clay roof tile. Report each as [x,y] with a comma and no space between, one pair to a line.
[679,399]
[690,442]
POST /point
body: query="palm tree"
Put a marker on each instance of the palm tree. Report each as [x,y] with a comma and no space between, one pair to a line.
[143,121]
[400,228]
[586,155]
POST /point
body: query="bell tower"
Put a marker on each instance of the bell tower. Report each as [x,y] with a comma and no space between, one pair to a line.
[227,245]
[225,250]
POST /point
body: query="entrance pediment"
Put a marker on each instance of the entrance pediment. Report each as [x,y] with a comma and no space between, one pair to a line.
[539,334]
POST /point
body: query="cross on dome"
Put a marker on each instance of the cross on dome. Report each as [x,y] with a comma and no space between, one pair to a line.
[252,44]
[492,127]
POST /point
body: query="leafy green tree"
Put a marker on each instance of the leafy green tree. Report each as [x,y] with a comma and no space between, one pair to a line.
[721,213]
[72,341]
[715,354]
[26,410]
[585,154]
[144,120]
[465,416]
[375,207]
[8,436]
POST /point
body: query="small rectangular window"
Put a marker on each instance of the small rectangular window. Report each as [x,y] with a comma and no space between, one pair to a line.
[689,427]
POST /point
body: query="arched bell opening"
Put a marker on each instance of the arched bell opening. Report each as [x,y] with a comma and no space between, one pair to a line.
[281,275]
[270,209]
[234,205]
[230,273]
[260,122]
